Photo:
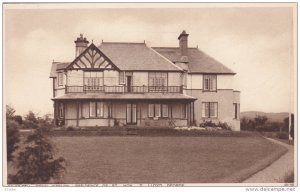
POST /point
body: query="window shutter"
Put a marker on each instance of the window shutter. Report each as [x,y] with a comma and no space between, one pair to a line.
[165,110]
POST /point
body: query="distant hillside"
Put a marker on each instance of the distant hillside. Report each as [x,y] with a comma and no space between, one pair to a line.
[272,117]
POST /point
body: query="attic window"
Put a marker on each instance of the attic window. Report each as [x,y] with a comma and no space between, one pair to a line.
[60,79]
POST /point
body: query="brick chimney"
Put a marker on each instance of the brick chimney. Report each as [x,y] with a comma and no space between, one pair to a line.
[81,44]
[183,45]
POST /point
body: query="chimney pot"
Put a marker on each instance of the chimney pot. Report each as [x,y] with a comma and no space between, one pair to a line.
[80,45]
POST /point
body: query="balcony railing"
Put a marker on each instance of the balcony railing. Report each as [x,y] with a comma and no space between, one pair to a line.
[123,89]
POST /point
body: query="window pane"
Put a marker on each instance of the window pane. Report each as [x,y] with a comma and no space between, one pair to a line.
[157,110]
[100,109]
[129,113]
[85,110]
[92,109]
[165,110]
[121,77]
[133,113]
[213,109]
[60,79]
[150,110]
[205,109]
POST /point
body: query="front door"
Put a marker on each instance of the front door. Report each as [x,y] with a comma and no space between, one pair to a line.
[129,82]
[131,114]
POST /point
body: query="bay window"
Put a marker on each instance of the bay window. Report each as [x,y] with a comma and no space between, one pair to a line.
[158,110]
[92,109]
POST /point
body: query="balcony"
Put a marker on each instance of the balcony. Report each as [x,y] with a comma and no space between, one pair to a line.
[123,89]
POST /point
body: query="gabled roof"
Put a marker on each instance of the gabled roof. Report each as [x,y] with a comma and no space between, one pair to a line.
[92,58]
[136,57]
[57,66]
[198,61]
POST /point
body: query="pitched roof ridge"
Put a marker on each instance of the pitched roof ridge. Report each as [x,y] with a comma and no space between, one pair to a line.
[140,43]
[165,58]
[172,48]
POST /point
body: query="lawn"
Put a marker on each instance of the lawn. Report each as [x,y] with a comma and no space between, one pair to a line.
[134,159]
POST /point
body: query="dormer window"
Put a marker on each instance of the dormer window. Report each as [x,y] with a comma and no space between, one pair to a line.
[209,82]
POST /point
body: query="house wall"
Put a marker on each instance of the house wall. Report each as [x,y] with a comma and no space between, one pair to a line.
[140,78]
[195,81]
[225,100]
[111,77]
[174,79]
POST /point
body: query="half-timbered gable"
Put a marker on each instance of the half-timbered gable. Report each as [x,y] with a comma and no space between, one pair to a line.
[92,58]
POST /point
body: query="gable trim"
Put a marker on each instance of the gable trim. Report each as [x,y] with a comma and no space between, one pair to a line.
[93,61]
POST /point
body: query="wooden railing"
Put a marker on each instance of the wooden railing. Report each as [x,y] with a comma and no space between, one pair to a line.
[123,89]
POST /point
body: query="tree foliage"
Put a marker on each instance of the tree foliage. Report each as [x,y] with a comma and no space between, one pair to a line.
[36,164]
[13,138]
[10,111]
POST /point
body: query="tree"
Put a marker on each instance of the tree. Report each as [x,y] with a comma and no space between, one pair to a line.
[36,164]
[13,138]
[10,111]
[31,117]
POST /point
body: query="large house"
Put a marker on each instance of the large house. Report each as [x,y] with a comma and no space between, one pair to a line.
[120,84]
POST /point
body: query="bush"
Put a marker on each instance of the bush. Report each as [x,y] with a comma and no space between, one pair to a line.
[70,128]
[36,164]
[282,135]
[207,124]
[225,126]
[29,125]
[13,138]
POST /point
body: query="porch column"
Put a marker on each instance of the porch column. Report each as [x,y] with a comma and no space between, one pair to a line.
[77,115]
[55,114]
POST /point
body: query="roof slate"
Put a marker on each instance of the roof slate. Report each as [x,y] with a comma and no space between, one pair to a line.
[127,96]
[57,66]
[199,62]
[136,57]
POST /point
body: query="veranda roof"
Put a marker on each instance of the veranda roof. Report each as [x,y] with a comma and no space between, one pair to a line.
[127,96]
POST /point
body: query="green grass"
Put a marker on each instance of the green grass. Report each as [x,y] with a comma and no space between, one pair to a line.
[117,159]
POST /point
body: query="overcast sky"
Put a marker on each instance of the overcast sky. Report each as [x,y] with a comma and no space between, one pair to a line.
[255,42]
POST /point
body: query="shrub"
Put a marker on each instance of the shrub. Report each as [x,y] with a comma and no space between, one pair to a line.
[13,138]
[282,135]
[36,163]
[225,126]
[70,128]
[29,125]
[207,124]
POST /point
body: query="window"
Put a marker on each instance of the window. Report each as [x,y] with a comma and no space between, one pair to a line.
[158,81]
[210,82]
[93,80]
[92,109]
[165,110]
[85,110]
[100,109]
[184,112]
[122,77]
[60,79]
[236,110]
[61,110]
[158,110]
[151,110]
[209,109]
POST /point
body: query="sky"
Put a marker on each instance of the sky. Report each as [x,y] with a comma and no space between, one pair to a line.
[255,42]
